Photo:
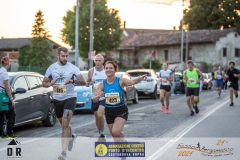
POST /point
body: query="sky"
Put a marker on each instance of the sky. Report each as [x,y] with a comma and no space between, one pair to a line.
[17,16]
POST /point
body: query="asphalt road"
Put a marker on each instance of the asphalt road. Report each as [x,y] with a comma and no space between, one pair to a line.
[161,132]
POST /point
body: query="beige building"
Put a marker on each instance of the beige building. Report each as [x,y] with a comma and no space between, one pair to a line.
[210,46]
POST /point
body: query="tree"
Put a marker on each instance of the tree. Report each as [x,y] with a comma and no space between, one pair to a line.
[107,27]
[38,53]
[213,14]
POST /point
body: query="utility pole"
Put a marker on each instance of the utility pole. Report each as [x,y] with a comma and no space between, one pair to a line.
[187,51]
[76,35]
[182,39]
[91,38]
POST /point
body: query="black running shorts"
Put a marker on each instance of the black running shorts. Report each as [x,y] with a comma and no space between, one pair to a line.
[167,88]
[234,85]
[192,92]
[59,106]
[112,113]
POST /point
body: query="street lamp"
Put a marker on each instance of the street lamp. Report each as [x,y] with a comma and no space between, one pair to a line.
[91,38]
[76,35]
[182,36]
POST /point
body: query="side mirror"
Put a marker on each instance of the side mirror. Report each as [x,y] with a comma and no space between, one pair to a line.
[20,91]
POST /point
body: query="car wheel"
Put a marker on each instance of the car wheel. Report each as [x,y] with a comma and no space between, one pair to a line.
[154,94]
[51,117]
[135,100]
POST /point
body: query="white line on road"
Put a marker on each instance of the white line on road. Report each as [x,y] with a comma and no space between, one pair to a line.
[172,141]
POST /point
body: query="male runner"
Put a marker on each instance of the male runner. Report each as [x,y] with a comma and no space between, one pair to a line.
[96,75]
[192,77]
[60,75]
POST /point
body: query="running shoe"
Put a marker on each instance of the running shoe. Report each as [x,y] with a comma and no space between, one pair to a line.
[63,156]
[196,109]
[162,109]
[167,111]
[236,95]
[192,113]
[231,104]
[70,145]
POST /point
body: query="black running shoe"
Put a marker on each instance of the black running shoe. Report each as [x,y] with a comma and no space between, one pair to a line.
[192,113]
[231,104]
[196,109]
[236,95]
[70,145]
[63,156]
[102,135]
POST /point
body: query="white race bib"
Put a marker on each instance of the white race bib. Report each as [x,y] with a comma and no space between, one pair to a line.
[60,90]
[112,98]
[192,81]
[219,76]
[165,82]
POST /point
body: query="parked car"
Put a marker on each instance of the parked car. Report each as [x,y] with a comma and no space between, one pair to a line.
[207,81]
[130,92]
[150,86]
[84,95]
[180,86]
[33,102]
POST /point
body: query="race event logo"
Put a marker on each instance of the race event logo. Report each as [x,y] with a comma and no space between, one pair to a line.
[14,150]
[119,149]
[218,150]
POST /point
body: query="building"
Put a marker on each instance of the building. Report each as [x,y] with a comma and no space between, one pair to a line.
[209,46]
[10,47]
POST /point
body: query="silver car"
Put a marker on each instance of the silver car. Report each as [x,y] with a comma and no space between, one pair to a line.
[150,86]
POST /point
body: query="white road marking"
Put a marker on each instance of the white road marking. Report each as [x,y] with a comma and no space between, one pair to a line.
[172,141]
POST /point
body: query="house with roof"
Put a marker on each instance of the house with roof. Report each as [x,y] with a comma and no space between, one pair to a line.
[10,47]
[210,46]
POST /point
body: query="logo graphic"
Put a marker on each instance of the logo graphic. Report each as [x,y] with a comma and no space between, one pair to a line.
[216,151]
[119,149]
[13,150]
[101,150]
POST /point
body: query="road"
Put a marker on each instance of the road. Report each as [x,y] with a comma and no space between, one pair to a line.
[162,133]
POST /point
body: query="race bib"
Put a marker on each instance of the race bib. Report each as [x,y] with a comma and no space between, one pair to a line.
[60,90]
[219,76]
[192,81]
[165,82]
[112,98]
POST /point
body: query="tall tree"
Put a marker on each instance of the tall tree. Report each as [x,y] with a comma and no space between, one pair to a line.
[39,53]
[213,14]
[107,27]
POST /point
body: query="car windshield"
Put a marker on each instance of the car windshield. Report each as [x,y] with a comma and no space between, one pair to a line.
[136,74]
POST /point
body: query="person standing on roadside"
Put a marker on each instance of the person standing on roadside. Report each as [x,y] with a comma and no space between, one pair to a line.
[62,75]
[96,75]
[233,76]
[7,104]
[192,77]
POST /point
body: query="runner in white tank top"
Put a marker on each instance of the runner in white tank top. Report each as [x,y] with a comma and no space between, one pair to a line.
[96,75]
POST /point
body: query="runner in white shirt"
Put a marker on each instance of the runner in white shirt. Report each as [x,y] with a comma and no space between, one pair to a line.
[96,75]
[61,75]
[166,76]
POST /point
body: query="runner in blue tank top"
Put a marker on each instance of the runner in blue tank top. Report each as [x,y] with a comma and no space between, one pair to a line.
[116,111]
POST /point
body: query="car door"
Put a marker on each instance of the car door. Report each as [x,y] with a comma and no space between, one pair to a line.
[22,102]
[35,94]
[45,97]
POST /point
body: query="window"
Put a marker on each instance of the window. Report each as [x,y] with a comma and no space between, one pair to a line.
[33,82]
[20,83]
[224,52]
[166,55]
[237,52]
